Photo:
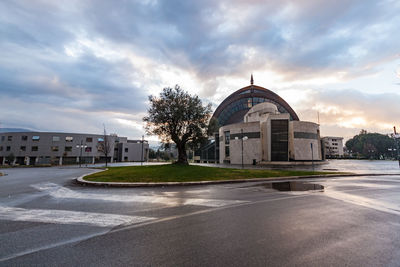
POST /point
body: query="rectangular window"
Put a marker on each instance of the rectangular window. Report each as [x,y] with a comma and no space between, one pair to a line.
[125,158]
[3,138]
[54,148]
[68,148]
[126,150]
[35,138]
[88,149]
[24,138]
[1,148]
[56,138]
[8,148]
[227,137]
[35,148]
[22,148]
[89,139]
[226,151]
[69,139]
[9,138]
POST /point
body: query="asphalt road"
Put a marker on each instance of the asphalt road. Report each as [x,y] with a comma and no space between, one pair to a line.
[47,219]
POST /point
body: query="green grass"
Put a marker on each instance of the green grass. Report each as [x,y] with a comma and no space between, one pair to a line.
[179,173]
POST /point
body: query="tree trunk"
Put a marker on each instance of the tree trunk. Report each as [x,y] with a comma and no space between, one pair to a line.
[182,157]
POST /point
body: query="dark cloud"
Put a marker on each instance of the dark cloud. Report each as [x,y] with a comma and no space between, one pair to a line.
[44,58]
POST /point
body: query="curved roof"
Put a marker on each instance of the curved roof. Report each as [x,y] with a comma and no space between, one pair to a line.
[235,106]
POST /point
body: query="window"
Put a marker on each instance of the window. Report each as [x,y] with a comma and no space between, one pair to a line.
[227,137]
[24,138]
[22,148]
[54,148]
[69,139]
[35,138]
[68,148]
[89,139]
[8,148]
[9,138]
[3,138]
[88,149]
[126,150]
[1,148]
[125,158]
[56,138]
[226,151]
[35,148]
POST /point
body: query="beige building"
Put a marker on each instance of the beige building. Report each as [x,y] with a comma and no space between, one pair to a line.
[267,135]
[333,146]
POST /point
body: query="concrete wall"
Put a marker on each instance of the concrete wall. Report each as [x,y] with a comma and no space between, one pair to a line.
[251,146]
[301,135]
[132,151]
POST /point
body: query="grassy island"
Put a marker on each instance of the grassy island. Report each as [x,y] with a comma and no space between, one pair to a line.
[187,173]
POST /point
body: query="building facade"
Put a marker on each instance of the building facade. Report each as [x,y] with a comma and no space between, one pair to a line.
[33,148]
[256,126]
[266,135]
[333,147]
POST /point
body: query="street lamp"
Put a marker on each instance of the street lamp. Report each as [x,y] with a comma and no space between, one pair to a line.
[312,156]
[243,138]
[80,155]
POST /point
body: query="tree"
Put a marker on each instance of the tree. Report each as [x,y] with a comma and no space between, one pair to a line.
[370,145]
[179,117]
[105,145]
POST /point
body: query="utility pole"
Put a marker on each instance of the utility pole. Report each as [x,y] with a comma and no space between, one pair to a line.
[241,131]
[312,157]
[395,136]
[141,162]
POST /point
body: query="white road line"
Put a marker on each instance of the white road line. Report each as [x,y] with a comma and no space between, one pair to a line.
[69,217]
[364,201]
[57,191]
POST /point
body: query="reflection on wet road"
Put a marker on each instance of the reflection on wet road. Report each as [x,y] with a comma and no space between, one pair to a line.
[45,219]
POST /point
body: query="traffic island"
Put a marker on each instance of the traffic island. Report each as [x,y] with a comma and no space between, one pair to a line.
[173,174]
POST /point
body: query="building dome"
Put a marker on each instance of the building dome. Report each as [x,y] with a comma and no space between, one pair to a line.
[234,107]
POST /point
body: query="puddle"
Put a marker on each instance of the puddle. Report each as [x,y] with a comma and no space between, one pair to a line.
[294,186]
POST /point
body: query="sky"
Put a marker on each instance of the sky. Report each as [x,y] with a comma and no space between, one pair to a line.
[74,65]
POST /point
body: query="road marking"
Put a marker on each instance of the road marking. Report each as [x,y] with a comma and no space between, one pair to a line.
[69,217]
[364,201]
[57,191]
[128,227]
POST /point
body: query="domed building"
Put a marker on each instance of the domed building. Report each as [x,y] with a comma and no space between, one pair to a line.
[258,126]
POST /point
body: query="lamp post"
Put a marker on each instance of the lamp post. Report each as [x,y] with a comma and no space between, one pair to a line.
[81,145]
[312,157]
[141,157]
[243,138]
[396,139]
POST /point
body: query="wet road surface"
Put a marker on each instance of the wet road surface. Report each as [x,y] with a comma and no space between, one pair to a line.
[47,219]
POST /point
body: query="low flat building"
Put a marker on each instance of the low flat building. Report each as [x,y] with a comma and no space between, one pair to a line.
[32,148]
[333,147]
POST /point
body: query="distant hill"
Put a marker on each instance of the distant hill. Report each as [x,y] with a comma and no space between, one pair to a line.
[4,130]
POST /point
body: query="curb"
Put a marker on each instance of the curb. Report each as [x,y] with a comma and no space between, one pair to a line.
[80,180]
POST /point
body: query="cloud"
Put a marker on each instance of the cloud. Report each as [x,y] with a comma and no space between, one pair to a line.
[349,111]
[99,57]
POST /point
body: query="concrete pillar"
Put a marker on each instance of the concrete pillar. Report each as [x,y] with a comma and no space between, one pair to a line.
[27,160]
[77,159]
[37,160]
[60,161]
[4,161]
[93,160]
